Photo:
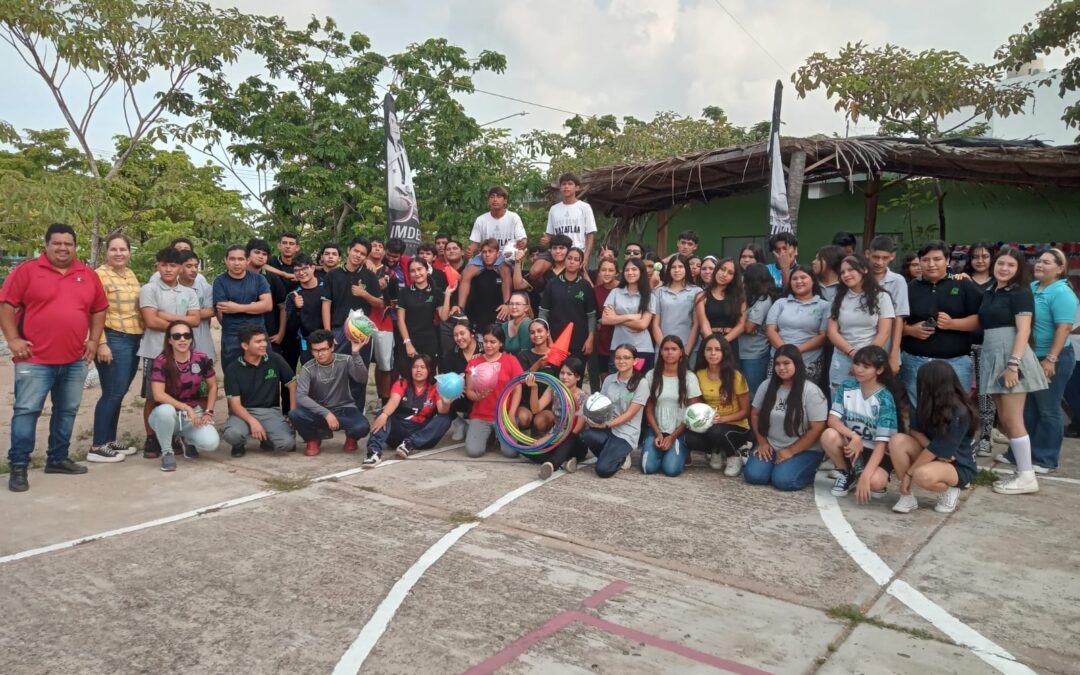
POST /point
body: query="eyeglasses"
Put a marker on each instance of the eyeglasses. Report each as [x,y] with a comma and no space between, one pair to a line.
[181,336]
[321,350]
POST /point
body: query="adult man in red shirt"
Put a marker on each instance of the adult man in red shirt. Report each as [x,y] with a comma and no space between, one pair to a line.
[52,313]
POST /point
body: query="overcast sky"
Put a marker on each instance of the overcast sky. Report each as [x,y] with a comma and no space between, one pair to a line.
[624,57]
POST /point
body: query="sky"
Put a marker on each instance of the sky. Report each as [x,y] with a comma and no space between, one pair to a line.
[621,57]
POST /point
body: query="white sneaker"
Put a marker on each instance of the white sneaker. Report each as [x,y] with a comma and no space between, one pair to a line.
[733,466]
[879,494]
[716,461]
[984,448]
[458,428]
[1000,457]
[948,500]
[570,465]
[546,469]
[998,437]
[906,504]
[1024,482]
[626,463]
[1042,470]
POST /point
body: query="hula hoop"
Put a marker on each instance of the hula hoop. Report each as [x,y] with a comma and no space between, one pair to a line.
[507,431]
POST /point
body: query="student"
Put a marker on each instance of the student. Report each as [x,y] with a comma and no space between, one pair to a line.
[349,287]
[415,417]
[177,377]
[190,277]
[613,441]
[241,297]
[328,260]
[675,313]
[630,309]
[977,268]
[750,254]
[693,264]
[753,344]
[846,241]
[607,279]
[795,411]
[465,348]
[1009,369]
[571,217]
[281,265]
[484,290]
[516,326]
[724,388]
[910,268]
[801,319]
[671,389]
[785,250]
[546,265]
[862,420]
[826,266]
[258,253]
[303,307]
[570,451]
[324,400]
[862,314]
[939,457]
[421,307]
[881,253]
[384,339]
[482,415]
[721,307]
[705,272]
[498,223]
[253,390]
[568,300]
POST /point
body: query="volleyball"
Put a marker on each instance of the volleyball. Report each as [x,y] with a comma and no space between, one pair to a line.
[598,408]
[699,417]
[358,325]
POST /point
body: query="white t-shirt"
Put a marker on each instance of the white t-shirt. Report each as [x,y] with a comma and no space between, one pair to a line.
[507,229]
[668,412]
[574,220]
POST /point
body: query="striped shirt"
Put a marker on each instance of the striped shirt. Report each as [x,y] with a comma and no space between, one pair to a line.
[122,291]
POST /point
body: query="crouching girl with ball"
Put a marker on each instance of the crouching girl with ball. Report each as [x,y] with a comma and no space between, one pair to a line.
[613,439]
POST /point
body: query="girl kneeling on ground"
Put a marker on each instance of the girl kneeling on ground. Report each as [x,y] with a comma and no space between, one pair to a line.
[725,390]
[482,415]
[570,451]
[788,432]
[415,417]
[671,389]
[862,420]
[614,440]
[940,455]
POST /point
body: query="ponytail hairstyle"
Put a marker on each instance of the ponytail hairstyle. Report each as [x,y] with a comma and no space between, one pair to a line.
[876,357]
[793,418]
[635,374]
[870,286]
[941,398]
[727,366]
[658,370]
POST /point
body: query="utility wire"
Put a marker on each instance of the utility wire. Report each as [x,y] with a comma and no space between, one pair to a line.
[750,35]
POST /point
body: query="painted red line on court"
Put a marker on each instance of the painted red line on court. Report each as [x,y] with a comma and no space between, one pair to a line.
[522,645]
[604,594]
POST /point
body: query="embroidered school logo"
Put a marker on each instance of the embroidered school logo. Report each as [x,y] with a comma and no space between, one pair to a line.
[270,374]
[430,299]
[955,291]
[580,295]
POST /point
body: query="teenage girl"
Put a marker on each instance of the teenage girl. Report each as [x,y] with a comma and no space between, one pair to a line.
[571,450]
[613,441]
[671,389]
[724,388]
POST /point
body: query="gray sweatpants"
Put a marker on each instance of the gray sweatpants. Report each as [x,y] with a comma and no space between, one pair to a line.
[279,432]
[476,440]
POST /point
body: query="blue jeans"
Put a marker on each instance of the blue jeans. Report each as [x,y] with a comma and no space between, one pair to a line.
[754,370]
[671,462]
[1043,417]
[168,422]
[33,382]
[1072,395]
[610,450]
[909,373]
[423,435]
[343,346]
[116,377]
[794,474]
[312,426]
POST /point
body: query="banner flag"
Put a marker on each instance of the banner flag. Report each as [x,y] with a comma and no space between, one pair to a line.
[779,216]
[403,218]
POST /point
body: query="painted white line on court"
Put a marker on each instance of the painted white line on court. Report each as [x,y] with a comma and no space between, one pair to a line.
[229,503]
[984,648]
[352,660]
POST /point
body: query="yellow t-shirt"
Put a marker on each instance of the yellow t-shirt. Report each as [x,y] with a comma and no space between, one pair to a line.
[710,391]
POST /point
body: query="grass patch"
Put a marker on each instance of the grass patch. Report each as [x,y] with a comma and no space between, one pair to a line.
[462,517]
[985,478]
[854,616]
[287,483]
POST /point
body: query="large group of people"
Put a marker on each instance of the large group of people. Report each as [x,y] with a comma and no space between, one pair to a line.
[884,373]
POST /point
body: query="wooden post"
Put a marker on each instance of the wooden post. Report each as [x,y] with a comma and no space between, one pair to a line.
[870,203]
[661,232]
[796,169]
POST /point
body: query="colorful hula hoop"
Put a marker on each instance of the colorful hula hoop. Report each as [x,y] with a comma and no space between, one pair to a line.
[507,430]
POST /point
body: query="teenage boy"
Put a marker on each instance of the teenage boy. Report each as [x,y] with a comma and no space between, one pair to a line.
[881,254]
[686,246]
[329,259]
[569,300]
[324,402]
[571,217]
[785,249]
[548,266]
[281,265]
[190,277]
[352,286]
[253,389]
[846,241]
[498,223]
[240,297]
[303,307]
[441,240]
[382,342]
[258,251]
[485,294]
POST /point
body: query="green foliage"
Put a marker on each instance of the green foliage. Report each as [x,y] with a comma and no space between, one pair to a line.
[1056,27]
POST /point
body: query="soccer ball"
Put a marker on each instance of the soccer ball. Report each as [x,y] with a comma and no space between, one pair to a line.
[450,386]
[598,408]
[509,250]
[699,417]
[485,376]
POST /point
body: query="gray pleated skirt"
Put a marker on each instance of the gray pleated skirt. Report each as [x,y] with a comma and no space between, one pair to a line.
[996,349]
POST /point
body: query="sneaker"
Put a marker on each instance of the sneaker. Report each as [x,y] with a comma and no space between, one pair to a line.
[17,481]
[716,461]
[103,453]
[984,448]
[312,447]
[570,465]
[1022,483]
[626,463]
[404,450]
[1041,470]
[906,504]
[372,459]
[122,448]
[948,500]
[879,494]
[458,428]
[1002,458]
[151,449]
[168,462]
[67,467]
[733,465]
[238,450]
[845,481]
[350,445]
[998,437]
[546,469]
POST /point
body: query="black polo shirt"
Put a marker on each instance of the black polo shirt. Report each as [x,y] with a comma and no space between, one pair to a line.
[485,296]
[309,317]
[420,305]
[278,293]
[569,302]
[258,386]
[1001,306]
[338,291]
[277,263]
[958,299]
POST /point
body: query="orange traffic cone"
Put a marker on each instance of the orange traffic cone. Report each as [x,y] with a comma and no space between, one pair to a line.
[561,349]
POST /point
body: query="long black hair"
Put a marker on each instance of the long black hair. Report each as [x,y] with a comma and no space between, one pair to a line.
[870,287]
[635,374]
[876,357]
[428,361]
[643,287]
[794,416]
[727,366]
[941,398]
[986,246]
[734,295]
[680,371]
[758,283]
[665,274]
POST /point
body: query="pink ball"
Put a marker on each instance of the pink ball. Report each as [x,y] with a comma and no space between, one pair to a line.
[485,376]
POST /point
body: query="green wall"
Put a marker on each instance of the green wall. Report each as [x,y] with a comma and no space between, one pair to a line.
[972,212]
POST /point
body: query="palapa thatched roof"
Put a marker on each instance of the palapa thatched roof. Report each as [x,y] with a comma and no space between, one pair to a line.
[628,190]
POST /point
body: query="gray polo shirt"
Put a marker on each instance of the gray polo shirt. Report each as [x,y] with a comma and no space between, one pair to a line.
[815,409]
[203,341]
[622,398]
[176,300]
[858,326]
[756,345]
[798,322]
[676,310]
[896,285]
[625,302]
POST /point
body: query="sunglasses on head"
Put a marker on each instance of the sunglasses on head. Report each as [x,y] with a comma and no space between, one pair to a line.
[181,336]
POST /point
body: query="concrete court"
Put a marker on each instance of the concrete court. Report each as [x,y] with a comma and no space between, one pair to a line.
[633,574]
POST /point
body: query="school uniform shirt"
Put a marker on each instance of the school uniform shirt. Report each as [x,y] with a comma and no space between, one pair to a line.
[1054,304]
[259,385]
[421,305]
[244,291]
[798,322]
[857,325]
[958,299]
[897,287]
[504,230]
[622,398]
[569,303]
[1001,306]
[338,292]
[204,341]
[278,293]
[872,417]
[676,310]
[626,302]
[485,296]
[308,318]
[710,392]
[176,299]
[574,220]
[416,406]
[815,409]
[668,411]
[509,368]
[752,346]
[192,374]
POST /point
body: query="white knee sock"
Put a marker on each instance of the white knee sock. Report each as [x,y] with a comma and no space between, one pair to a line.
[1021,448]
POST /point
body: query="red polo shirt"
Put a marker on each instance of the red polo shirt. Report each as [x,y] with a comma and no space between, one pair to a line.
[54,309]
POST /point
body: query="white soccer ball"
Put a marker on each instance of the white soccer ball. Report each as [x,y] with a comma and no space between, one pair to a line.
[509,250]
[699,417]
[598,408]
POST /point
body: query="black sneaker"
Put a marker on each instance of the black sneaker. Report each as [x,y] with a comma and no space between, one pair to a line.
[151,449]
[104,453]
[405,449]
[17,480]
[66,467]
[845,481]
[372,459]
[181,447]
[239,450]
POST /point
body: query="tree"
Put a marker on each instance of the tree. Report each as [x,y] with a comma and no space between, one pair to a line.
[1056,27]
[121,46]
